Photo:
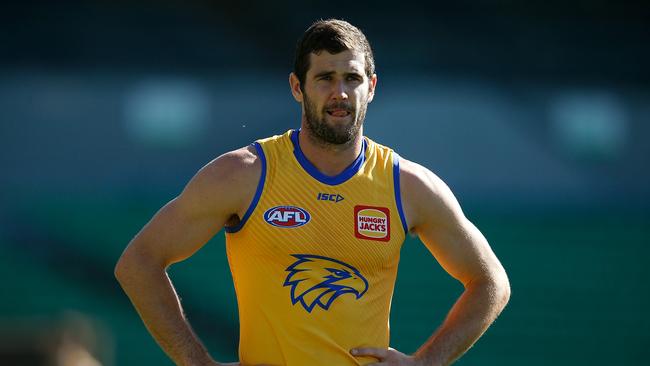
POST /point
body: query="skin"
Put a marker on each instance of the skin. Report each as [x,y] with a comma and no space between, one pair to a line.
[333,80]
[220,193]
[435,216]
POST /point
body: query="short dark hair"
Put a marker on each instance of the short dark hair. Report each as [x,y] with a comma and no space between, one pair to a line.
[333,36]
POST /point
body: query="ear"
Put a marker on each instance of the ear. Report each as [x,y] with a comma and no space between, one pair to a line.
[294,83]
[372,83]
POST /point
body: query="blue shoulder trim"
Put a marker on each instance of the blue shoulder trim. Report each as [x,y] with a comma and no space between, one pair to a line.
[258,192]
[398,191]
[342,177]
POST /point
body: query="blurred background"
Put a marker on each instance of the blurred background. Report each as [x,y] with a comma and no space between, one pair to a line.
[535,113]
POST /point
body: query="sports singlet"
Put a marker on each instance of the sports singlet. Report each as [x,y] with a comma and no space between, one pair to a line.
[314,259]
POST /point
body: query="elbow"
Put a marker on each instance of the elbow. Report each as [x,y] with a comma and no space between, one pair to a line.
[502,289]
[136,265]
[121,269]
[128,267]
[505,297]
[495,286]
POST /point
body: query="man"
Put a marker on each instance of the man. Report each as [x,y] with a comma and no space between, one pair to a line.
[314,221]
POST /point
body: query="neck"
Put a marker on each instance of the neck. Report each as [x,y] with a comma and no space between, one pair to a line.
[329,159]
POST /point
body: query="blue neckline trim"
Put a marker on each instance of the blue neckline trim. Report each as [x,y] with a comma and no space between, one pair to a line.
[258,193]
[398,194]
[342,177]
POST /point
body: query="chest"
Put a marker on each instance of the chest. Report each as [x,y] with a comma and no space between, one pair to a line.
[355,223]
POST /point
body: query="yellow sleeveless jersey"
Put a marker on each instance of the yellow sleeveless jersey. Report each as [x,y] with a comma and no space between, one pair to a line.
[314,259]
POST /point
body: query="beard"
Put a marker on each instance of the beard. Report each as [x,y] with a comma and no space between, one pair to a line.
[333,134]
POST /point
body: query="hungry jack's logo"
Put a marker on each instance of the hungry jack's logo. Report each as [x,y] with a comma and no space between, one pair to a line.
[372,223]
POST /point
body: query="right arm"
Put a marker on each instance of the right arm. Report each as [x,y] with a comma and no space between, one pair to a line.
[219,192]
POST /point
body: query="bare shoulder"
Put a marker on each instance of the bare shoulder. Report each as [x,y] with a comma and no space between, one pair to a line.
[426,198]
[238,165]
[228,182]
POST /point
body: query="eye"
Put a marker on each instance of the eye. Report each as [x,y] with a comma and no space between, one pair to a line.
[338,273]
[326,78]
[354,78]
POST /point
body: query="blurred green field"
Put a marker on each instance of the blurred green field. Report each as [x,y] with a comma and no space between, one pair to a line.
[579,284]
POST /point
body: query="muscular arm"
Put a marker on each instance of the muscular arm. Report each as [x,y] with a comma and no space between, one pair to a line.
[434,214]
[220,190]
[460,248]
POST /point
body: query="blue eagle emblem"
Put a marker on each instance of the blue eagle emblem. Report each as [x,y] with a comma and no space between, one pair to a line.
[317,280]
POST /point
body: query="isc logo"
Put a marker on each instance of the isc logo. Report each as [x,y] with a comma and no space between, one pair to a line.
[330,197]
[287,216]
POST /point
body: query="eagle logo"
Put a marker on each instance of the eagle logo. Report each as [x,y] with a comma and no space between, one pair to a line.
[317,280]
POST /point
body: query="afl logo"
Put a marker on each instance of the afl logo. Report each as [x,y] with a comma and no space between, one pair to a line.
[287,216]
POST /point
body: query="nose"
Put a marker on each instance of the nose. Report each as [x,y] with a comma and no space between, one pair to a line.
[339,90]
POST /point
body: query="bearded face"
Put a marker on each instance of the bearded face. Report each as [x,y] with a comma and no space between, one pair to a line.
[335,96]
[335,123]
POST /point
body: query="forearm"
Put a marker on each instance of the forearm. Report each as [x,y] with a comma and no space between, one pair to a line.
[153,295]
[468,319]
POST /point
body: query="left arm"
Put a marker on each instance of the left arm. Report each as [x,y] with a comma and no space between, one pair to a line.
[435,215]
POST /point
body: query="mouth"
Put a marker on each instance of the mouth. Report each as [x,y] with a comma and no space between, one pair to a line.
[340,113]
